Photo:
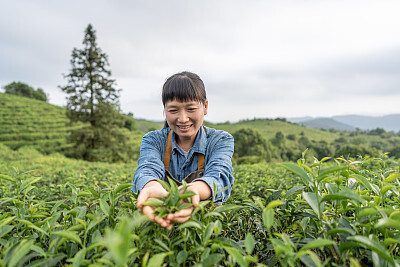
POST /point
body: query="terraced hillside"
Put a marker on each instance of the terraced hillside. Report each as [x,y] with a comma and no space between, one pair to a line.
[30,122]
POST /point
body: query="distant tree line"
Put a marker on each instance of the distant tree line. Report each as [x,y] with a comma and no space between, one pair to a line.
[251,147]
[22,89]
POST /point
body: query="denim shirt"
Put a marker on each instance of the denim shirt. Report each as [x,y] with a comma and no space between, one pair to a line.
[216,145]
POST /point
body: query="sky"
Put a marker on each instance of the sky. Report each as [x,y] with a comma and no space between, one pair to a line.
[257,59]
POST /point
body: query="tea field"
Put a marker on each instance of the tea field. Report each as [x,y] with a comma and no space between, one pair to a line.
[56,211]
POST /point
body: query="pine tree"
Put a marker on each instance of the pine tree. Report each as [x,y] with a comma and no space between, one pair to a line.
[94,101]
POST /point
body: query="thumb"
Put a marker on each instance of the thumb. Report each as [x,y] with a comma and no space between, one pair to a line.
[143,196]
[196,200]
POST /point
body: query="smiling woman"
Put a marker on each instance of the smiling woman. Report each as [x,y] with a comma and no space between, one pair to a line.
[184,150]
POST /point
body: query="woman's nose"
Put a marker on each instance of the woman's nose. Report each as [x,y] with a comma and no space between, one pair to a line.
[182,117]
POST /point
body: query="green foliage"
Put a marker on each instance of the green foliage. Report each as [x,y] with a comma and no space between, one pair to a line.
[92,99]
[249,142]
[356,151]
[330,212]
[22,89]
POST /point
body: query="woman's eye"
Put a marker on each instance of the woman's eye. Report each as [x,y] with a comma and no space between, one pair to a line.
[172,110]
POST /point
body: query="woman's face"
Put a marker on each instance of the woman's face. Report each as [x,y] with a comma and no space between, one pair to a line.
[185,118]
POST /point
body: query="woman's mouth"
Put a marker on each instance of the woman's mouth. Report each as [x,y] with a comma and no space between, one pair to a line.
[183,127]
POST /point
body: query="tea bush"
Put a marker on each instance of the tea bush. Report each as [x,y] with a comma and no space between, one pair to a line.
[333,212]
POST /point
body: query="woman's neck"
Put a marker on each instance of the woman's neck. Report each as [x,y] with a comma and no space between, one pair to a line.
[185,144]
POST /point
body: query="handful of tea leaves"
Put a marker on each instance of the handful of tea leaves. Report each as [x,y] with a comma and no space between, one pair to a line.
[177,199]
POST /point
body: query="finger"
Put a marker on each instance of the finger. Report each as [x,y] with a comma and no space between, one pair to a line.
[181,213]
[148,211]
[143,196]
[196,200]
[181,219]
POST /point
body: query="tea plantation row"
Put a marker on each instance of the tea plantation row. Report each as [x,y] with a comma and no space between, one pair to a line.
[61,212]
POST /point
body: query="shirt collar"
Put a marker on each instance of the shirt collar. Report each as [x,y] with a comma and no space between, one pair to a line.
[199,145]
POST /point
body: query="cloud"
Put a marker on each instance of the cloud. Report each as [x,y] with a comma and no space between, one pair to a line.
[264,59]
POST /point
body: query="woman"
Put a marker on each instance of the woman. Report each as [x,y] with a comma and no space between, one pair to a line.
[184,149]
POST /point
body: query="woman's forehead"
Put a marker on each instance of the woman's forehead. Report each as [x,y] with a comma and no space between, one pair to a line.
[175,102]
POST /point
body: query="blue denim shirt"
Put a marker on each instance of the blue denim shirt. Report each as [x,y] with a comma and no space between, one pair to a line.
[216,145]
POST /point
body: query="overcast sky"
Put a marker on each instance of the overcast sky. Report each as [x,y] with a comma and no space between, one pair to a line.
[262,59]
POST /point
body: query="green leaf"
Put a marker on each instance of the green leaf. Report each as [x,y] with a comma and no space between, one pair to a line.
[29,182]
[386,188]
[317,243]
[367,211]
[311,199]
[165,184]
[268,217]
[275,203]
[31,225]
[341,230]
[249,243]
[187,194]
[342,195]
[79,258]
[190,224]
[293,190]
[226,207]
[8,178]
[158,259]
[207,233]
[5,230]
[388,222]
[154,202]
[372,245]
[236,255]
[104,207]
[362,180]
[328,171]
[122,187]
[212,260]
[69,235]
[181,257]
[21,250]
[297,170]
[392,177]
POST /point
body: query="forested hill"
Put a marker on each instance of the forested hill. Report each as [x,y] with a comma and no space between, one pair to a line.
[30,122]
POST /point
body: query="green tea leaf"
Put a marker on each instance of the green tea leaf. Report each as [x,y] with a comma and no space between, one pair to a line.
[388,222]
[158,259]
[249,243]
[297,170]
[187,194]
[311,199]
[189,224]
[8,178]
[79,257]
[69,235]
[154,202]
[392,177]
[293,190]
[342,195]
[275,203]
[122,187]
[235,254]
[362,180]
[372,245]
[104,207]
[317,243]
[268,217]
[31,225]
[21,250]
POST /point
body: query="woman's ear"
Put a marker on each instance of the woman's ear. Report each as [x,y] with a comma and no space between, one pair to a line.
[205,107]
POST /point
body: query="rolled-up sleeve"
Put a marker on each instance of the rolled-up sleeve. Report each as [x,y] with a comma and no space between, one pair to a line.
[218,169]
[150,164]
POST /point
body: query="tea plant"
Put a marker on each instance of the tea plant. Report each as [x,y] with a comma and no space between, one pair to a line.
[330,212]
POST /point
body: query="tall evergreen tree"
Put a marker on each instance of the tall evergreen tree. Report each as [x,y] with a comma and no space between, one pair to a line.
[93,100]
[89,81]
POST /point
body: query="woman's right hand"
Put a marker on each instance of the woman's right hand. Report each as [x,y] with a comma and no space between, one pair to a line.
[153,189]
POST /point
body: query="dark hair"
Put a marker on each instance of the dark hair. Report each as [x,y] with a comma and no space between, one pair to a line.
[184,86]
